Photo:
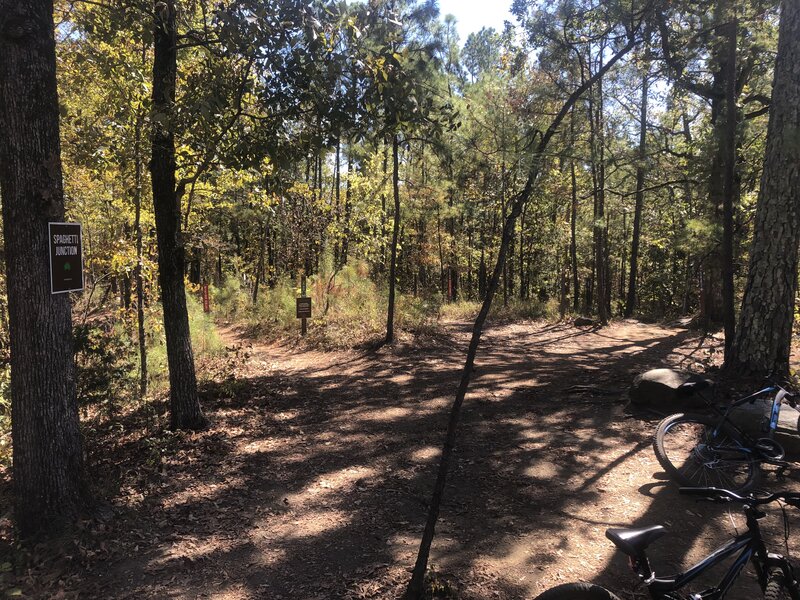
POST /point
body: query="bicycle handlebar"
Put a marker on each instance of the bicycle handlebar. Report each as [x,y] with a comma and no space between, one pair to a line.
[721,496]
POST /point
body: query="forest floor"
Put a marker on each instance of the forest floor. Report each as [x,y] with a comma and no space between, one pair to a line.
[314,479]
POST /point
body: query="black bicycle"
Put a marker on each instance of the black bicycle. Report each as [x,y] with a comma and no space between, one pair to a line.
[705,450]
[775,574]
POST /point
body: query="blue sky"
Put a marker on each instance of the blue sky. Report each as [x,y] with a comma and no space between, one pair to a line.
[474,14]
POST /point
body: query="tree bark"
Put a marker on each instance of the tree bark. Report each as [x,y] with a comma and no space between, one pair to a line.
[763,339]
[633,275]
[573,244]
[137,226]
[185,411]
[260,265]
[347,205]
[729,145]
[47,460]
[714,305]
[395,235]
[597,131]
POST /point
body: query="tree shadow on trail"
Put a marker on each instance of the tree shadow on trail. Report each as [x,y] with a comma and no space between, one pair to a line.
[314,482]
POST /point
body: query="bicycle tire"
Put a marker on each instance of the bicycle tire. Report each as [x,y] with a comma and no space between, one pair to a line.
[577,591]
[680,445]
[776,587]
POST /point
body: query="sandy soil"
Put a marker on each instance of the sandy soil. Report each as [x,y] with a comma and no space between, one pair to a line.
[313,481]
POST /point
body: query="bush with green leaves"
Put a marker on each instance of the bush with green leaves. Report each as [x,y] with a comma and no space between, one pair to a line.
[105,360]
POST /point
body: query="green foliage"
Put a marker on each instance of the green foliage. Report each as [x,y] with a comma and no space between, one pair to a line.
[104,356]
[348,308]
[206,342]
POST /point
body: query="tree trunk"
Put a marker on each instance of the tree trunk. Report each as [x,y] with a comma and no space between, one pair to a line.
[347,208]
[383,209]
[260,265]
[47,460]
[633,275]
[597,126]
[395,235]
[573,244]
[731,189]
[185,412]
[712,294]
[764,335]
[137,226]
[337,244]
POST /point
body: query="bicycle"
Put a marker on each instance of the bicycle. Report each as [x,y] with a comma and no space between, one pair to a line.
[775,573]
[700,450]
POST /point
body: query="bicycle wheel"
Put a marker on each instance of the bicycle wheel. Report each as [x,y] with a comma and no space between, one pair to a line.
[577,591]
[776,587]
[685,445]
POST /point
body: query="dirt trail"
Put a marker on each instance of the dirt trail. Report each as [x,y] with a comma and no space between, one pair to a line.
[314,480]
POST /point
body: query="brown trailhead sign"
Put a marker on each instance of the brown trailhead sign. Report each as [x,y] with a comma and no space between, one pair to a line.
[66,257]
[303,308]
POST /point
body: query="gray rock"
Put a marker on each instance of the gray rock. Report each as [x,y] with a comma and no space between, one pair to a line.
[754,420]
[658,389]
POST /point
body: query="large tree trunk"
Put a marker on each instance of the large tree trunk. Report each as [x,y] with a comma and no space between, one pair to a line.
[395,235]
[630,304]
[764,335]
[47,461]
[716,293]
[731,187]
[600,234]
[185,412]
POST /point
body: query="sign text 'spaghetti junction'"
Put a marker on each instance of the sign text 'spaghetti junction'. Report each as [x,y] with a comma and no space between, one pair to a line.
[66,257]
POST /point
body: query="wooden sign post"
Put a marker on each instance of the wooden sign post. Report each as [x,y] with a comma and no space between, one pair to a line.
[206,301]
[303,306]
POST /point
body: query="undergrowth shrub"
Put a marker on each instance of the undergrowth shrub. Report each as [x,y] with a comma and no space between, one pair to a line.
[348,308]
[463,310]
[515,310]
[106,364]
[228,300]
[418,314]
[205,339]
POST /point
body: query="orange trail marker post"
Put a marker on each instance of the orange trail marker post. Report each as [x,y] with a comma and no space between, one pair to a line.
[206,302]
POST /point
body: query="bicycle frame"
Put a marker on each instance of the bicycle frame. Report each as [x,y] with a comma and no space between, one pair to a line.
[780,394]
[750,546]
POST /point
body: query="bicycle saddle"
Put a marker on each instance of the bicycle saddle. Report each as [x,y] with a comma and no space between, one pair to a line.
[634,541]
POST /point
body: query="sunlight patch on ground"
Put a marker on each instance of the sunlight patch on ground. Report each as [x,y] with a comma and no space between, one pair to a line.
[437,404]
[425,453]
[333,482]
[259,446]
[206,493]
[287,415]
[542,470]
[311,523]
[394,413]
[187,551]
[632,349]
